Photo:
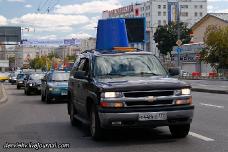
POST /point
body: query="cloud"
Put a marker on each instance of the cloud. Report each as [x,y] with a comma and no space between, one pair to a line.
[28,6]
[96,6]
[92,23]
[50,22]
[79,35]
[3,20]
[214,9]
[18,1]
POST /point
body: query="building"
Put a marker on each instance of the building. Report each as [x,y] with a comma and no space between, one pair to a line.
[161,12]
[64,51]
[88,44]
[215,19]
[190,54]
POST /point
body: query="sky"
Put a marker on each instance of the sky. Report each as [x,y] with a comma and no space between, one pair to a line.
[60,19]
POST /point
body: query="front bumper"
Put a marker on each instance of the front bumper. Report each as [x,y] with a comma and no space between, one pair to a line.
[175,116]
[20,84]
[34,88]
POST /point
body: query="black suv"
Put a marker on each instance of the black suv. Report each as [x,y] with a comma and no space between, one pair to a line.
[127,89]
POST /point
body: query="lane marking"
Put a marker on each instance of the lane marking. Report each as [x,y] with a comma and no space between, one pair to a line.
[211,105]
[200,136]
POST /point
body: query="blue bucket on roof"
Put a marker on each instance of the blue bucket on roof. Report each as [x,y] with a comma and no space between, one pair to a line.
[111,33]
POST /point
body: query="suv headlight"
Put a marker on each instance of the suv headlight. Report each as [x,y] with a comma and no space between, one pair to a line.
[111,95]
[186,91]
[30,84]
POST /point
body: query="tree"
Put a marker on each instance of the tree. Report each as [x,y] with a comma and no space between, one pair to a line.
[216,47]
[166,36]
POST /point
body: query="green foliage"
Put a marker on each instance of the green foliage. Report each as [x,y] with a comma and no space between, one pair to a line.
[216,47]
[71,58]
[166,36]
[40,63]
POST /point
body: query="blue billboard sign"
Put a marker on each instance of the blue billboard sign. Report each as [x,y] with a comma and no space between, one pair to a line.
[173,8]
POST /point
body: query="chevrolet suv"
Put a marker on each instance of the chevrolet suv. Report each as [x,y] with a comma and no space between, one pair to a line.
[112,89]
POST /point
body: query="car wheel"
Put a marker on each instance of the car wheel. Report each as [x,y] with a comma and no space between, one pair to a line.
[73,120]
[28,92]
[95,129]
[47,99]
[179,131]
[18,87]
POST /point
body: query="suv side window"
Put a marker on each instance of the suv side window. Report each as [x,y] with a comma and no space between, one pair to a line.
[84,66]
[74,69]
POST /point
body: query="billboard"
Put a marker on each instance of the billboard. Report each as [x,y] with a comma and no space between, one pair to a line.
[37,42]
[173,11]
[10,35]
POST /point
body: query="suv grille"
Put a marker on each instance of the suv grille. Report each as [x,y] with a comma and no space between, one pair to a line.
[145,103]
[149,93]
[157,93]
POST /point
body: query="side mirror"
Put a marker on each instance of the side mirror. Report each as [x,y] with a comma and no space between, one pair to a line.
[174,71]
[80,75]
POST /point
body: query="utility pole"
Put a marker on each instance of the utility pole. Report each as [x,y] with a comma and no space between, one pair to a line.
[178,32]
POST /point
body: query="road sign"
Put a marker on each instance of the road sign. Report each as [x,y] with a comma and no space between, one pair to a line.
[179,42]
[178,49]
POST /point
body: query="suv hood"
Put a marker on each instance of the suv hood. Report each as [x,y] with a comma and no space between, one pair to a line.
[141,83]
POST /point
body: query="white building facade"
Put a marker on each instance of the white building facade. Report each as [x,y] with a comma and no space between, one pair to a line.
[161,12]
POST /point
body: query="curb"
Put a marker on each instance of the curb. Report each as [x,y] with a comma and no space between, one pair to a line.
[4,98]
[210,91]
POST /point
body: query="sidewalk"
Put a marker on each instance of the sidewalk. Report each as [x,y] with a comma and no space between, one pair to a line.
[219,87]
[3,94]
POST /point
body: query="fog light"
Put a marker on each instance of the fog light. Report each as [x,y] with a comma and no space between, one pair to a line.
[118,105]
[185,101]
[106,104]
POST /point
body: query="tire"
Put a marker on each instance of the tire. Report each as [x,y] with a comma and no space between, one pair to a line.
[179,131]
[73,120]
[18,87]
[47,99]
[95,129]
[42,97]
[28,92]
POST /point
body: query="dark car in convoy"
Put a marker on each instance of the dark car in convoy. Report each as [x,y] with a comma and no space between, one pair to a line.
[13,78]
[33,83]
[21,80]
[127,89]
[55,86]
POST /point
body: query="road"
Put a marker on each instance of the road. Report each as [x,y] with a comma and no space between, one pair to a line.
[209,84]
[27,119]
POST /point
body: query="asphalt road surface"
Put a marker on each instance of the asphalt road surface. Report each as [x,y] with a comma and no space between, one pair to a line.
[26,119]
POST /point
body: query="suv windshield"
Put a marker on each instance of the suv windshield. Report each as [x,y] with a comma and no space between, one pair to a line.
[37,76]
[128,65]
[61,76]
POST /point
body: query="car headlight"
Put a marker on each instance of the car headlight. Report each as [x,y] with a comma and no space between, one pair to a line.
[186,91]
[30,84]
[111,95]
[50,89]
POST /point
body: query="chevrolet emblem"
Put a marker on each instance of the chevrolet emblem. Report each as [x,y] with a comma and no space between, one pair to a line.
[151,99]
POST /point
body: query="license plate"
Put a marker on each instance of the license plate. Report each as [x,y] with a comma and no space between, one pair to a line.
[152,116]
[63,93]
